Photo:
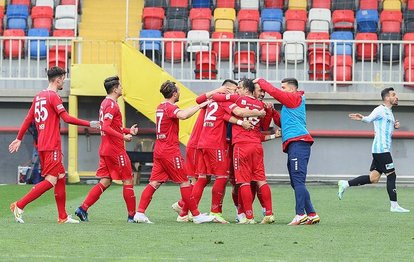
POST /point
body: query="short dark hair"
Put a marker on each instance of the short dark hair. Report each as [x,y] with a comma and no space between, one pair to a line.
[229,81]
[249,85]
[110,83]
[168,88]
[291,81]
[55,72]
[386,92]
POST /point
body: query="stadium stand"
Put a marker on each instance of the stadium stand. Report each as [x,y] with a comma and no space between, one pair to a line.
[271,20]
[205,65]
[224,19]
[200,19]
[38,48]
[13,48]
[221,44]
[153,18]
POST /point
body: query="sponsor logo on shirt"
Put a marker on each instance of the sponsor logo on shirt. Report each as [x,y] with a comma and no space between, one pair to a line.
[243,102]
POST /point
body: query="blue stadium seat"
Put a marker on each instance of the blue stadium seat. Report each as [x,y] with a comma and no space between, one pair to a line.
[37,48]
[367,21]
[17,17]
[151,48]
[202,3]
[272,20]
[342,47]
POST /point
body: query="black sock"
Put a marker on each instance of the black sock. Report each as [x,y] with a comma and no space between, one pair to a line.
[359,181]
[391,189]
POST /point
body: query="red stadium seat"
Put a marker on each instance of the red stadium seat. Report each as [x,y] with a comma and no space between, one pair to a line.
[59,57]
[153,18]
[410,5]
[270,51]
[222,48]
[391,21]
[21,2]
[343,70]
[1,19]
[200,19]
[317,45]
[244,61]
[343,20]
[321,4]
[205,65]
[409,70]
[68,2]
[319,56]
[277,4]
[226,4]
[63,33]
[367,51]
[14,48]
[248,20]
[368,4]
[295,20]
[179,3]
[174,50]
[409,48]
[42,17]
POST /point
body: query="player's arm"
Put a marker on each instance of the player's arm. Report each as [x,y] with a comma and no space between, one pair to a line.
[375,114]
[226,97]
[204,97]
[132,131]
[189,112]
[244,112]
[290,100]
[267,119]
[15,144]
[106,127]
[277,134]
[244,123]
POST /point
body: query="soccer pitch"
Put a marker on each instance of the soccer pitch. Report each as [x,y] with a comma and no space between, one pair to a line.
[357,228]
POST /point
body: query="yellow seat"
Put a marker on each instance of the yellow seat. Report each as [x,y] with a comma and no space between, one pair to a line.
[224,19]
[392,5]
[2,2]
[298,4]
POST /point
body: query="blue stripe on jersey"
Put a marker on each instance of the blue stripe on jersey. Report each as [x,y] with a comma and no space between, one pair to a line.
[384,127]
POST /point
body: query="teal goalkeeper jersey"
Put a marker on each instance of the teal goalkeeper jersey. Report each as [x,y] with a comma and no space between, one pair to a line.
[384,121]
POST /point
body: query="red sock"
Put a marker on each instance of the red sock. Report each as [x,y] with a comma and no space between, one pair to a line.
[93,196]
[34,193]
[217,194]
[184,206]
[265,197]
[240,208]
[146,197]
[199,188]
[60,197]
[246,194]
[188,198]
[130,200]
[253,187]
[235,195]
[181,202]
[312,214]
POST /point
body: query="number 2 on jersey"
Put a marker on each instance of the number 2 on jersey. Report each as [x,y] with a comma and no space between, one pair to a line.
[40,111]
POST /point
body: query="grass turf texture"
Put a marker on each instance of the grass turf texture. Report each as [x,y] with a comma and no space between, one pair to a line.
[358,228]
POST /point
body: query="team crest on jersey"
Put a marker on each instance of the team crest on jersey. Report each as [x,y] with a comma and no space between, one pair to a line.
[243,102]
[108,115]
[227,96]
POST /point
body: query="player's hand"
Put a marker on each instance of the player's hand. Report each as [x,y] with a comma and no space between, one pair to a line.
[247,125]
[356,116]
[127,137]
[134,130]
[256,81]
[262,113]
[278,132]
[223,90]
[204,103]
[397,124]
[268,104]
[14,146]
[94,124]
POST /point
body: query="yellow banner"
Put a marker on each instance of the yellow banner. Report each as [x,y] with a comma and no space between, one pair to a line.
[88,79]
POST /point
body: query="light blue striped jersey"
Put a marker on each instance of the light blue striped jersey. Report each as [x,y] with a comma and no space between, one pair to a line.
[384,127]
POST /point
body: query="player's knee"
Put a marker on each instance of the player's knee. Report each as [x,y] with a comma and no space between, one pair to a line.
[51,179]
[374,179]
[155,184]
[128,182]
[391,176]
[261,183]
[106,182]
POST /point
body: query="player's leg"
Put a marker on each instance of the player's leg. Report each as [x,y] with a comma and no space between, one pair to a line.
[203,179]
[218,163]
[264,195]
[128,192]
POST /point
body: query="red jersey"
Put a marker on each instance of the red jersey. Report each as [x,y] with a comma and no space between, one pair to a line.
[213,134]
[239,134]
[45,110]
[167,126]
[112,144]
[198,126]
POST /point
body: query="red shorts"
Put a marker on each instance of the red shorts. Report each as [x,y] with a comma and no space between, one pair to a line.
[214,162]
[190,161]
[115,167]
[171,168]
[51,163]
[248,163]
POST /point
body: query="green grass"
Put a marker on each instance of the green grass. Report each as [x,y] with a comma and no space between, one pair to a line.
[358,228]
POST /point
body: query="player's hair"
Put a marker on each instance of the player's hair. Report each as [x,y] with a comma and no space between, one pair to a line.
[110,83]
[248,84]
[386,92]
[55,72]
[229,82]
[291,81]
[168,88]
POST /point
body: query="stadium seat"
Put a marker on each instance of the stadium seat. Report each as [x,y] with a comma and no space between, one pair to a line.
[294,46]
[276,4]
[69,2]
[410,5]
[367,21]
[270,52]
[298,5]
[202,3]
[318,45]
[341,47]
[63,33]
[295,20]
[248,20]
[319,20]
[17,17]
[200,19]
[42,17]
[174,50]
[343,20]
[249,4]
[247,46]
[367,51]
[223,48]
[205,65]
[1,19]
[156,3]
[409,21]
[391,21]
[319,57]
[37,48]
[197,41]
[343,5]
[390,52]
[409,48]
[391,5]
[59,57]
[272,20]
[26,3]
[50,3]
[14,48]
[176,19]
[65,23]
[224,19]
[151,48]
[409,70]
[65,11]
[153,18]
[244,61]
[179,3]
[226,4]
[321,4]
[368,4]
[341,67]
